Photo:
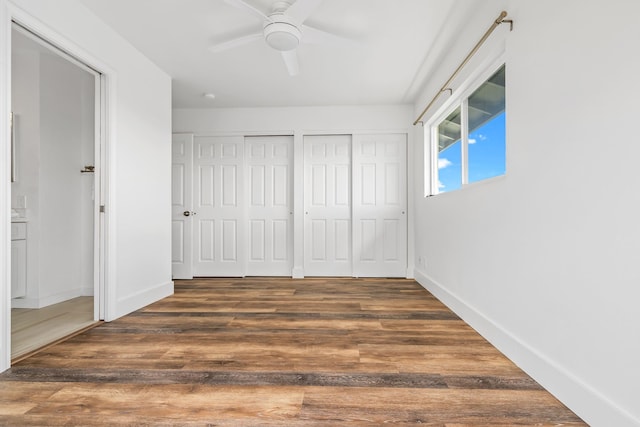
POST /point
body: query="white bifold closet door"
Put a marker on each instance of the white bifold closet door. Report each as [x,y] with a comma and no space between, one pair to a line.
[270,212]
[218,203]
[379,205]
[327,205]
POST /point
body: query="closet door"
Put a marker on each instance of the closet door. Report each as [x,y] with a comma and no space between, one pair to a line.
[218,199]
[380,205]
[327,201]
[270,211]
[181,205]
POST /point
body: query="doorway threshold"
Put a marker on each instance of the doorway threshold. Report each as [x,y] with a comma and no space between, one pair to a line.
[33,329]
[29,353]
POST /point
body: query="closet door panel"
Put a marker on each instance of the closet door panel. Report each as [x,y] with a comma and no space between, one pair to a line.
[380,205]
[219,196]
[181,202]
[327,202]
[270,213]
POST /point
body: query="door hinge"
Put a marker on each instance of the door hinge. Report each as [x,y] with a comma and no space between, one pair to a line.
[101,208]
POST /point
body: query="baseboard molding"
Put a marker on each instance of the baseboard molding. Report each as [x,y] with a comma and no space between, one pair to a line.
[24,303]
[593,407]
[141,299]
[48,300]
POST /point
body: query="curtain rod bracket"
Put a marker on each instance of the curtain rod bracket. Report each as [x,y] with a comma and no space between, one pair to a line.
[508,21]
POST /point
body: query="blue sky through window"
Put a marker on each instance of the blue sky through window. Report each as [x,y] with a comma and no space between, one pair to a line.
[487,150]
[450,168]
[486,156]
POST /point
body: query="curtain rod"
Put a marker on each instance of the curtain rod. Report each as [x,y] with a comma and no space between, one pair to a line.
[445,87]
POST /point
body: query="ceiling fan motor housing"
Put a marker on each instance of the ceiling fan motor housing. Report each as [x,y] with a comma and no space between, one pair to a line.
[281,33]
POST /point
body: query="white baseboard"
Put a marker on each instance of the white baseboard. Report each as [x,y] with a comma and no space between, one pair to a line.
[24,303]
[589,404]
[48,300]
[141,299]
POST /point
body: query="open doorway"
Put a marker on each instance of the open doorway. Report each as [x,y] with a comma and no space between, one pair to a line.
[55,194]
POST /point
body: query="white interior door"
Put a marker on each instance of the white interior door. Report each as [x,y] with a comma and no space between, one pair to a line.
[182,206]
[270,214]
[380,205]
[327,203]
[218,207]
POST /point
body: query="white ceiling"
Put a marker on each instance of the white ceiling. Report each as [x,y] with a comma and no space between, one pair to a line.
[383,68]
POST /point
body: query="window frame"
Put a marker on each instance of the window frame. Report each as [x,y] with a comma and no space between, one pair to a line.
[459,98]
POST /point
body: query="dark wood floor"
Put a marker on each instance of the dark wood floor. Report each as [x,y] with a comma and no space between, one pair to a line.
[249,352]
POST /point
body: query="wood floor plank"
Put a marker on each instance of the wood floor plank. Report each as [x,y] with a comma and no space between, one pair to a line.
[172,403]
[279,352]
[297,324]
[387,406]
[18,400]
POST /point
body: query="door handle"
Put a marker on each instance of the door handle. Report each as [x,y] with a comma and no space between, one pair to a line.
[188,213]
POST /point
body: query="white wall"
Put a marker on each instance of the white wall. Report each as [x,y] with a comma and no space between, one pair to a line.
[544,262]
[293,119]
[65,129]
[139,108]
[298,121]
[87,186]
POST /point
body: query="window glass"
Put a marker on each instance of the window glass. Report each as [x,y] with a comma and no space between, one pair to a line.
[486,111]
[474,149]
[450,153]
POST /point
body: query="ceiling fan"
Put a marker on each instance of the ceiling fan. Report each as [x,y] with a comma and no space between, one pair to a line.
[283,29]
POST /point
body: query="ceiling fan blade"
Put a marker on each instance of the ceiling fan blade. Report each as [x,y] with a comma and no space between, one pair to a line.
[230,44]
[315,36]
[291,61]
[241,4]
[302,9]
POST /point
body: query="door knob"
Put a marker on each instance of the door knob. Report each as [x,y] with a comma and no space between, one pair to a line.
[188,213]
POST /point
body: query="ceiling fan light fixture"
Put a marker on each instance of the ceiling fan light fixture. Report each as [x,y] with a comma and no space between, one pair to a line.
[282,36]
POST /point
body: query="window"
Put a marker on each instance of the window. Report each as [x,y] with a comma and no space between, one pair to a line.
[450,152]
[469,143]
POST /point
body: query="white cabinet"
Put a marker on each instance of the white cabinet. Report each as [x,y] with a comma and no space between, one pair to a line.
[18,259]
